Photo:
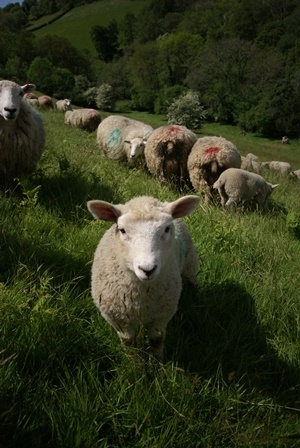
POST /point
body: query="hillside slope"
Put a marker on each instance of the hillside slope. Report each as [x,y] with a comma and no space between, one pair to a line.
[76,24]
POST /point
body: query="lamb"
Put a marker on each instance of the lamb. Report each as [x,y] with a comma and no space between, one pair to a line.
[237,186]
[45,102]
[22,133]
[139,264]
[282,167]
[209,157]
[86,119]
[166,153]
[121,138]
[63,105]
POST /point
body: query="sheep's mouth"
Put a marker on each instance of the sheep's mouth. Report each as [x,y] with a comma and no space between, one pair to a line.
[9,117]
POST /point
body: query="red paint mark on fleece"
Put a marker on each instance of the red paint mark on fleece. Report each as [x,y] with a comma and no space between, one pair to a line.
[174,128]
[212,150]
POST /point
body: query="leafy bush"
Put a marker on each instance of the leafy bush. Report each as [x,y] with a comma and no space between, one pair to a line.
[187,111]
[166,97]
[105,99]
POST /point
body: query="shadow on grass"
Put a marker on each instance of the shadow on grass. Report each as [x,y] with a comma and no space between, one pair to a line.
[217,327]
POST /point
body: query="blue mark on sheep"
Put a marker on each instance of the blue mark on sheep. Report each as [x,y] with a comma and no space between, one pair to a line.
[114,138]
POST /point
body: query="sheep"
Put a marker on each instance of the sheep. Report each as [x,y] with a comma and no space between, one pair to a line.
[236,186]
[33,102]
[282,167]
[285,140]
[87,119]
[63,105]
[166,153]
[22,133]
[121,138]
[250,165]
[45,102]
[139,263]
[295,173]
[209,157]
[252,157]
[30,96]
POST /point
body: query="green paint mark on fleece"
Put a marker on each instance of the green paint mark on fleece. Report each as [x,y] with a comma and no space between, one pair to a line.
[180,245]
[113,139]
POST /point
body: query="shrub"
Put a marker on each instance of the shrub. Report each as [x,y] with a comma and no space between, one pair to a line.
[187,111]
[105,99]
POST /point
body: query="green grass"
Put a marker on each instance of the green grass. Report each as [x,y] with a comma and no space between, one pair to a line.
[76,24]
[231,377]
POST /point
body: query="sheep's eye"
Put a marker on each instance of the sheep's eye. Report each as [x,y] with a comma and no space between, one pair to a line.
[167,229]
[121,230]
[21,93]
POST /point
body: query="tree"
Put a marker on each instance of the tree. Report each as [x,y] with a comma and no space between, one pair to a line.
[105,98]
[187,111]
[105,40]
[40,74]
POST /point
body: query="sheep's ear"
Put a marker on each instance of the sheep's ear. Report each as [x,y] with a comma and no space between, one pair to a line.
[27,88]
[183,206]
[274,186]
[104,210]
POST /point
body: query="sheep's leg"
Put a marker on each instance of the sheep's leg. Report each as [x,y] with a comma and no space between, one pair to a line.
[126,332]
[223,197]
[156,335]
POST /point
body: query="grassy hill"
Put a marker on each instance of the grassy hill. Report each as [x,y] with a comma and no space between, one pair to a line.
[76,24]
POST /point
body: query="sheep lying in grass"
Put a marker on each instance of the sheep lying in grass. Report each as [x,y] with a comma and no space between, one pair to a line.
[295,173]
[22,134]
[166,153]
[282,167]
[121,138]
[209,157]
[63,105]
[45,102]
[137,267]
[237,186]
[87,119]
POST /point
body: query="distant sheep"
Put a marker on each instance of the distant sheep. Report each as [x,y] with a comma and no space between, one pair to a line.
[237,186]
[45,102]
[252,157]
[166,153]
[63,105]
[209,157]
[282,167]
[285,140]
[295,173]
[30,96]
[138,264]
[22,134]
[121,138]
[87,119]
[250,165]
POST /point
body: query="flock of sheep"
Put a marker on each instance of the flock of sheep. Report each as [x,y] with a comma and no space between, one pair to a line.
[148,248]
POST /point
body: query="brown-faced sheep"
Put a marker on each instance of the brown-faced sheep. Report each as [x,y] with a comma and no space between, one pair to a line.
[22,134]
[166,153]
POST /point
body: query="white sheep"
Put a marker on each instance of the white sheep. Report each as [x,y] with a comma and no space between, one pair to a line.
[22,134]
[63,105]
[166,153]
[138,264]
[87,119]
[295,173]
[121,138]
[209,157]
[252,157]
[285,140]
[275,165]
[250,165]
[45,102]
[237,186]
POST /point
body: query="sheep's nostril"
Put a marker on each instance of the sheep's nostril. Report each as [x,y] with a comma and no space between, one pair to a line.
[148,272]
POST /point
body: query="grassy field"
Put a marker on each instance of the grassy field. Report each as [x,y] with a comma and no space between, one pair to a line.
[76,24]
[231,376]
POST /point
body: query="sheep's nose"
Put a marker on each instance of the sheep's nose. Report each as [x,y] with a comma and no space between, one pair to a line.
[148,272]
[10,110]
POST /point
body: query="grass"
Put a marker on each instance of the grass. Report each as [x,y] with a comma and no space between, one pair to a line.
[84,17]
[231,377]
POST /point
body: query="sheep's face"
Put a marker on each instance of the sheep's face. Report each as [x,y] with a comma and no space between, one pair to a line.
[11,95]
[137,147]
[144,231]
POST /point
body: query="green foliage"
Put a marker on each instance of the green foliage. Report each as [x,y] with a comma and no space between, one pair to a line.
[105,98]
[106,40]
[187,111]
[40,74]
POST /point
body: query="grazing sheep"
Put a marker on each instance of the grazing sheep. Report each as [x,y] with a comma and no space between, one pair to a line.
[285,140]
[252,157]
[282,167]
[22,134]
[250,165]
[138,264]
[237,186]
[209,157]
[45,102]
[87,119]
[63,105]
[295,173]
[121,138]
[166,153]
